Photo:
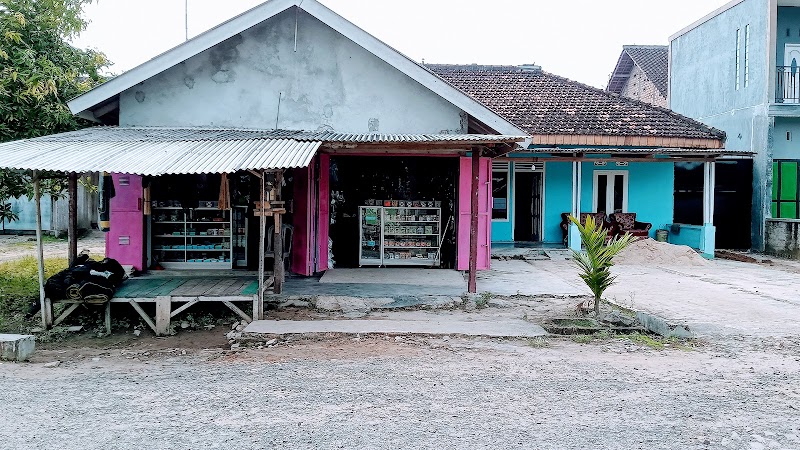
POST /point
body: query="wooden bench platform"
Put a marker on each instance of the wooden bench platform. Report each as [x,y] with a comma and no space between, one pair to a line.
[186,290]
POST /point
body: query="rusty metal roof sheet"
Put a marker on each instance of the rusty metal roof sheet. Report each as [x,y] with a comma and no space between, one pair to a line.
[159,151]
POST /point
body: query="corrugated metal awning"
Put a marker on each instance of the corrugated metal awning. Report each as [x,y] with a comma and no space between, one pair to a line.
[160,151]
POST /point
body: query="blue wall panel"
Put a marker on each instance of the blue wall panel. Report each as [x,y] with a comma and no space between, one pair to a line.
[650,195]
[503,230]
[650,190]
[557,198]
[783,148]
[26,210]
[788,23]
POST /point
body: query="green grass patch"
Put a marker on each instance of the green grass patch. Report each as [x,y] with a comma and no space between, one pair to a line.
[582,338]
[648,341]
[19,286]
[538,342]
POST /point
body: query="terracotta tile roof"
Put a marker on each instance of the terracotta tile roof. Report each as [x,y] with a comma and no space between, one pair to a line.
[542,103]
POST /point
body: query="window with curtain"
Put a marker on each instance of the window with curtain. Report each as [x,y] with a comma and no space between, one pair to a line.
[785,195]
[610,191]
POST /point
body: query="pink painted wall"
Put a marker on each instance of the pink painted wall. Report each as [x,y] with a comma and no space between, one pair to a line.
[323,219]
[304,245]
[125,240]
[484,213]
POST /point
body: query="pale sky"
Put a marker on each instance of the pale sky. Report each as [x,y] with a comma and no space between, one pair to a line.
[577,39]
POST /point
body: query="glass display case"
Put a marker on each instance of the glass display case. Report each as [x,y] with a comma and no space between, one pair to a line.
[400,235]
[239,230]
[371,252]
[191,238]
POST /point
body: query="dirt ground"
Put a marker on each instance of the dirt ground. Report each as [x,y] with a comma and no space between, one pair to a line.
[17,246]
[735,387]
[416,392]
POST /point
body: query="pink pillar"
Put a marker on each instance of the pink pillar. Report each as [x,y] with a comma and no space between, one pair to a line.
[323,218]
[125,240]
[484,213]
[304,245]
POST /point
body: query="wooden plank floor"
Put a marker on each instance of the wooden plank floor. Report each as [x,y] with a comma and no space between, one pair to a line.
[187,287]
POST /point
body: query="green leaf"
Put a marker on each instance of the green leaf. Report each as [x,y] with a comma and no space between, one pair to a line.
[596,261]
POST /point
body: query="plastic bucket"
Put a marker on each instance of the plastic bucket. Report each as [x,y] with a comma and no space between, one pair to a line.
[661,235]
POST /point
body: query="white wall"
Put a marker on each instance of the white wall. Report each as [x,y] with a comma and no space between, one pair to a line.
[329,83]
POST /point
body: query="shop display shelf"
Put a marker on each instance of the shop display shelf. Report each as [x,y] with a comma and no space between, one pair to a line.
[410,261]
[412,247]
[188,228]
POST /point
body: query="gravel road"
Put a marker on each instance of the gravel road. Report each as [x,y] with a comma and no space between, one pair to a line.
[413,393]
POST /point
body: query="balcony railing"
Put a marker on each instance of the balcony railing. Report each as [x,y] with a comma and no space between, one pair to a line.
[787,84]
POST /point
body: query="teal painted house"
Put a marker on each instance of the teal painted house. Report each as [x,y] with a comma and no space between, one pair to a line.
[743,60]
[589,151]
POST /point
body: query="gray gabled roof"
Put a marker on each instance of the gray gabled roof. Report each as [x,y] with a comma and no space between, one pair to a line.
[653,60]
[103,95]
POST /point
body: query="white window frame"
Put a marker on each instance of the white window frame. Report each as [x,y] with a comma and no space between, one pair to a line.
[738,55]
[746,55]
[611,174]
[509,181]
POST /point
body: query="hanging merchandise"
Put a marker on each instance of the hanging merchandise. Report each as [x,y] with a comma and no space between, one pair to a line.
[331,262]
[106,194]
[224,193]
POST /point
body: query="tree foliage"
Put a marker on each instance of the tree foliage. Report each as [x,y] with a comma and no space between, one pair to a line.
[598,258]
[39,72]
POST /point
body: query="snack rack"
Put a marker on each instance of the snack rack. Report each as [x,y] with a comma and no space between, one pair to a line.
[400,235]
[191,238]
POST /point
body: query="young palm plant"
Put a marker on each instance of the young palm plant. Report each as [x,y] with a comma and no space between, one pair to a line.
[596,261]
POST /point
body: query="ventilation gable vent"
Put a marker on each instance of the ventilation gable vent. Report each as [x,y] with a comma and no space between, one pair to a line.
[528,166]
[499,165]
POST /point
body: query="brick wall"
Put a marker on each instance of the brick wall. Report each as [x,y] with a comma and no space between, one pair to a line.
[640,87]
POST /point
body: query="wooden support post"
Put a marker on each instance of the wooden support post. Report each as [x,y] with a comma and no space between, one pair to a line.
[47,312]
[163,314]
[473,222]
[277,240]
[238,311]
[262,229]
[184,307]
[72,227]
[144,315]
[66,313]
[108,317]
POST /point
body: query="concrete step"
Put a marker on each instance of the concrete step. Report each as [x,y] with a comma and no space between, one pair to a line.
[489,328]
[16,347]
